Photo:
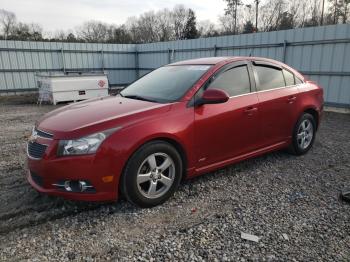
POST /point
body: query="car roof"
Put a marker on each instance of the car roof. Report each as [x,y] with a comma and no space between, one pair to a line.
[203,61]
[228,59]
[217,60]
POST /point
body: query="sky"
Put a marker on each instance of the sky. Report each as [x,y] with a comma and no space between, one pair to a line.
[54,15]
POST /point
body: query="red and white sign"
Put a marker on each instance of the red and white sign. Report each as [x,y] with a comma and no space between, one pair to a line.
[101,83]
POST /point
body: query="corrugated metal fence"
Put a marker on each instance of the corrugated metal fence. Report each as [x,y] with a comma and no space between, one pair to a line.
[321,53]
[20,61]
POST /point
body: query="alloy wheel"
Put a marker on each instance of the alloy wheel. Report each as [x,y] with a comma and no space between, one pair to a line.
[155,175]
[305,134]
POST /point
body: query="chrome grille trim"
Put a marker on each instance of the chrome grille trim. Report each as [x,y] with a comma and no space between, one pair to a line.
[43,134]
[35,150]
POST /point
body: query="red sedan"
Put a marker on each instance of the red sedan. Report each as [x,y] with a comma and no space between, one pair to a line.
[177,122]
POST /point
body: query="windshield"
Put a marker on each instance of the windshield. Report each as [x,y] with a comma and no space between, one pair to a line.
[165,84]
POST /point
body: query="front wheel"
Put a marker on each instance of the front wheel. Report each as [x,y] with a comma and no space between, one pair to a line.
[152,174]
[303,135]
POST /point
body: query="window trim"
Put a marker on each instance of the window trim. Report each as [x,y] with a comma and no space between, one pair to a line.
[223,69]
[301,81]
[268,65]
[285,69]
[252,78]
[226,68]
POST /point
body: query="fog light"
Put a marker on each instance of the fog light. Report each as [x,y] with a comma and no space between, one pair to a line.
[83,186]
[75,186]
[67,186]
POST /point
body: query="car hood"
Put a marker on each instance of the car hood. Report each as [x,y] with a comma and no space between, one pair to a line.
[86,117]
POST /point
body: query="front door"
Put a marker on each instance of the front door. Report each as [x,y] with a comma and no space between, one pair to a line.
[224,131]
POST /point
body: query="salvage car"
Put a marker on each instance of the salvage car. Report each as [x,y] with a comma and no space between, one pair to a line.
[177,122]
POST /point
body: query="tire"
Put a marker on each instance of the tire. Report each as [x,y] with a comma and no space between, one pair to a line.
[152,174]
[304,134]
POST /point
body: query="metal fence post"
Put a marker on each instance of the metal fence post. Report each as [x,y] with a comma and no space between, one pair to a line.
[169,56]
[215,50]
[63,62]
[102,61]
[137,68]
[284,50]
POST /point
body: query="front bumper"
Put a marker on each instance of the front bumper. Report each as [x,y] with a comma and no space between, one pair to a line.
[98,196]
[44,174]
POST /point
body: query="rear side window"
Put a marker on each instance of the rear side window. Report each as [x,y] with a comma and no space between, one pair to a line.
[289,77]
[268,78]
[234,81]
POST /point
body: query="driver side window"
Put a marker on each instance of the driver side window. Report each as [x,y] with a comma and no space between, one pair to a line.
[235,81]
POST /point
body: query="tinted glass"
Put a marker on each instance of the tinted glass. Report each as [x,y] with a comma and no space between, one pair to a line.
[165,84]
[268,77]
[289,77]
[234,81]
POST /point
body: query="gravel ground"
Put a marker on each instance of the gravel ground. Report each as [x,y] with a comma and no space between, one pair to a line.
[291,203]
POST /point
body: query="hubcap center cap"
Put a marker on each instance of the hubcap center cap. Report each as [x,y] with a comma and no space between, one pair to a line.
[155,175]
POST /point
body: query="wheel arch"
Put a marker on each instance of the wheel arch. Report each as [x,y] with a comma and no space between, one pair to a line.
[312,111]
[170,140]
[179,148]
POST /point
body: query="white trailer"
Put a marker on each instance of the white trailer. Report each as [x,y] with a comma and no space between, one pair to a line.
[63,87]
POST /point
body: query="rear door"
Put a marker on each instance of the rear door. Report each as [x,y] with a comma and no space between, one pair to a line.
[223,131]
[277,94]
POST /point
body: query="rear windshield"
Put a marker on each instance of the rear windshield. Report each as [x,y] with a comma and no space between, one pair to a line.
[165,84]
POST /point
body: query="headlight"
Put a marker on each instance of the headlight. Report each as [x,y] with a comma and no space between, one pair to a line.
[85,145]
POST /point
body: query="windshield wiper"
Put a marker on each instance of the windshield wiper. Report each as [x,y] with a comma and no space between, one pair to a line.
[139,98]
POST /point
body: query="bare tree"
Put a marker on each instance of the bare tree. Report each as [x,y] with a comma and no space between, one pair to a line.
[7,22]
[299,10]
[147,24]
[93,31]
[181,23]
[341,10]
[144,28]
[36,31]
[179,18]
[226,24]
[207,29]
[22,31]
[271,14]
[164,25]
[119,34]
[232,11]
[345,11]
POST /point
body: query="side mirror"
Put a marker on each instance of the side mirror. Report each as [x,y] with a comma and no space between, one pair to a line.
[213,96]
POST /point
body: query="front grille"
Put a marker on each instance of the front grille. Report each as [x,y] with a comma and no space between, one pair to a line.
[43,134]
[36,150]
[37,179]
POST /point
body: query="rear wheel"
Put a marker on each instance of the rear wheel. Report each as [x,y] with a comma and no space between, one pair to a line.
[303,135]
[152,174]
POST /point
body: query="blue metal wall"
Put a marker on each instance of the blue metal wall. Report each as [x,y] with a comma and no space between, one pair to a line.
[20,61]
[321,53]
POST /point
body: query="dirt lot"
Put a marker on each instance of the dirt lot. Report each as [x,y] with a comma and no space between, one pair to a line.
[290,202]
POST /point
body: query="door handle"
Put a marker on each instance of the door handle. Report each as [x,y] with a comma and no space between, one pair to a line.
[250,110]
[291,99]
